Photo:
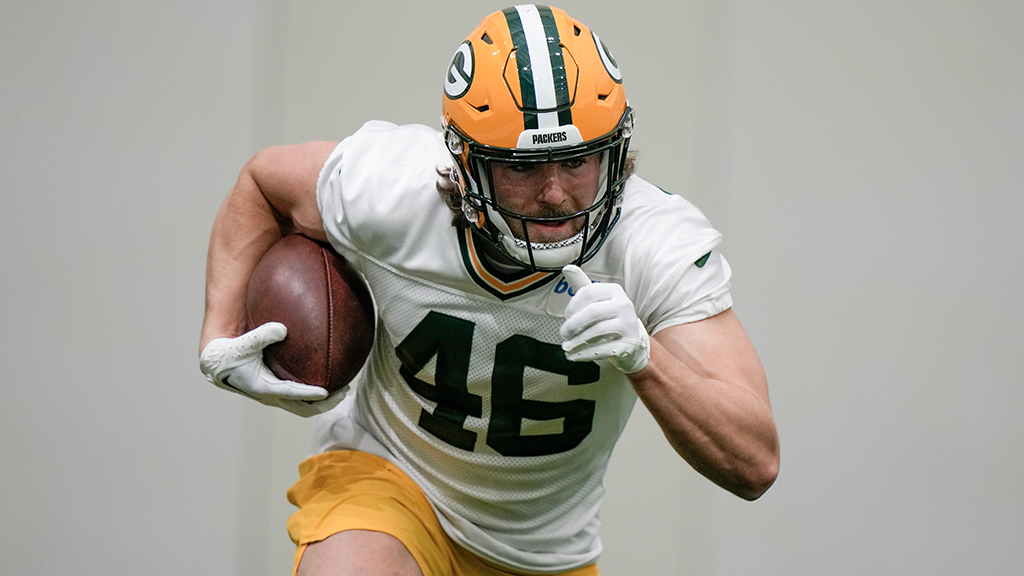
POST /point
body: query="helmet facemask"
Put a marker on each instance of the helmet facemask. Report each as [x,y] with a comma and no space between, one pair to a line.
[482,208]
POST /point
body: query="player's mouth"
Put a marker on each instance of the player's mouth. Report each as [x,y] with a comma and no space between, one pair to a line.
[552,231]
[552,225]
[547,227]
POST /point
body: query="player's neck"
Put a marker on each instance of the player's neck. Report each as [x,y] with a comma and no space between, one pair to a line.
[498,260]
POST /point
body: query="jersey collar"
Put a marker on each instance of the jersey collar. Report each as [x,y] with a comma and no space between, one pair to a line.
[498,282]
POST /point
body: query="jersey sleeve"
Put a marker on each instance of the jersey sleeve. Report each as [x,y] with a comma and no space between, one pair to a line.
[376,192]
[694,292]
[673,267]
[331,203]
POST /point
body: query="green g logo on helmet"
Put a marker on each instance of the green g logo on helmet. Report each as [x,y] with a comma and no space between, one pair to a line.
[460,72]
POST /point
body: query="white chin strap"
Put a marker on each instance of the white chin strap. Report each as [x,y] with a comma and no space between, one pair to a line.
[546,255]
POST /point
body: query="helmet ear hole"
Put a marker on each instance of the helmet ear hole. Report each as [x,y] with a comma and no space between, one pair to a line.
[453,141]
[470,212]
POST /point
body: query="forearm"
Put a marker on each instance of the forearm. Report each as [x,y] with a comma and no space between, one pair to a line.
[246,226]
[724,428]
[275,195]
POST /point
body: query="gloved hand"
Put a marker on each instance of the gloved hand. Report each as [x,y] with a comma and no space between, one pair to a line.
[236,364]
[601,323]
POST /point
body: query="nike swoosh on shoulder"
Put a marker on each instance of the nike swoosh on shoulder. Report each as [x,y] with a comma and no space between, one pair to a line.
[702,260]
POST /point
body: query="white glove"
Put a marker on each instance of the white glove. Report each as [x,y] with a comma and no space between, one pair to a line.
[236,364]
[601,323]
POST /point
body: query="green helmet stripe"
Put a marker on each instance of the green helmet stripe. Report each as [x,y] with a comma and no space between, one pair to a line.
[561,82]
[544,87]
[515,26]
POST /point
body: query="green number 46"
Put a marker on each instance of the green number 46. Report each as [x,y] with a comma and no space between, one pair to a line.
[450,339]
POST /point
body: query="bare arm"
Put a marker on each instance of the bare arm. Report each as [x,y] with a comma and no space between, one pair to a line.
[707,390]
[275,195]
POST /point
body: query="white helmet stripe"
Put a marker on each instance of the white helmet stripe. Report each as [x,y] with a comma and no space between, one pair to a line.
[540,64]
[544,88]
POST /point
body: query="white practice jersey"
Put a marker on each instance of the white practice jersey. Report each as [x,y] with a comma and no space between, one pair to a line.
[467,388]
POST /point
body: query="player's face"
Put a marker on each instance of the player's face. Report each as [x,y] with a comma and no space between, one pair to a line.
[547,190]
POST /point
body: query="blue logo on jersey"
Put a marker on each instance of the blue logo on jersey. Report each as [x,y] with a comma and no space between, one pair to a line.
[563,287]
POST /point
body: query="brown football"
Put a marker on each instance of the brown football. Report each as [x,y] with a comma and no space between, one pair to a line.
[325,305]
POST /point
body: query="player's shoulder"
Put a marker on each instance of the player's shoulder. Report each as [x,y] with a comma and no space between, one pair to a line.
[653,218]
[381,161]
[385,129]
[383,144]
[642,198]
[379,185]
[664,252]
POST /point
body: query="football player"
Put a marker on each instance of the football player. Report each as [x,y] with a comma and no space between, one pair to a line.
[529,288]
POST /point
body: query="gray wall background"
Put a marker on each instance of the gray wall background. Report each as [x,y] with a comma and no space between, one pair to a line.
[864,159]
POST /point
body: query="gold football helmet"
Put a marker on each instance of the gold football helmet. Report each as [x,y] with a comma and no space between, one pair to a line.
[533,85]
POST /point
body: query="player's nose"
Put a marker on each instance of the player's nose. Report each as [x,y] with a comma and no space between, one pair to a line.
[555,185]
